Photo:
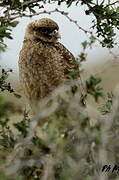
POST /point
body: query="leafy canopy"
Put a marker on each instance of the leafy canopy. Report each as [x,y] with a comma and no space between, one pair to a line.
[105,21]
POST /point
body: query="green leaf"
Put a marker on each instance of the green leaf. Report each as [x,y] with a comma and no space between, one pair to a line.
[117,10]
[69,2]
[22,127]
[105,108]
[40,143]
[98,140]
[17,95]
[4,122]
[84,44]
[5,76]
[3,142]
[14,23]
[33,11]
[74,74]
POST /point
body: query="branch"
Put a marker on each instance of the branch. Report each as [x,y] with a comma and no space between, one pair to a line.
[30,2]
[111,4]
[49,12]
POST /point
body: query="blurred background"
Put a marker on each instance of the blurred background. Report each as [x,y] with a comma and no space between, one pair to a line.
[99,61]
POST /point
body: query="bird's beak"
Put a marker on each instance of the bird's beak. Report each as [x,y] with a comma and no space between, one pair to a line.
[58,36]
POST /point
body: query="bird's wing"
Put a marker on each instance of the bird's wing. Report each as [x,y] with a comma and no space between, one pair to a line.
[69,60]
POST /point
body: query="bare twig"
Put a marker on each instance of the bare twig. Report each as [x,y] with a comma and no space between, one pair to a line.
[111,4]
[49,12]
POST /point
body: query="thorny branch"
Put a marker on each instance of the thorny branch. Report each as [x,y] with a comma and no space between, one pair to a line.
[49,12]
[57,11]
[12,15]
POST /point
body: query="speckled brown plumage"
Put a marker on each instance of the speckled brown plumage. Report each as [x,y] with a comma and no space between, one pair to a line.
[43,62]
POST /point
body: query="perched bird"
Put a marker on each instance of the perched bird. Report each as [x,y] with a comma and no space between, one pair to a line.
[44,63]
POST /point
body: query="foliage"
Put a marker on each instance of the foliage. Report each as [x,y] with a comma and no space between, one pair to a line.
[3,84]
[93,89]
[106,16]
[62,138]
[61,142]
[23,125]
[107,107]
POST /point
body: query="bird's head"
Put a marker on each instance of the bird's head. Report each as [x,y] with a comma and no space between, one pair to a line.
[44,29]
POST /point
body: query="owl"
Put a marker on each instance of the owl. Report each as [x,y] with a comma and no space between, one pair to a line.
[44,63]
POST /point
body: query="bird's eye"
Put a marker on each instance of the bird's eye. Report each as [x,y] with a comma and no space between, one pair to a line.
[55,31]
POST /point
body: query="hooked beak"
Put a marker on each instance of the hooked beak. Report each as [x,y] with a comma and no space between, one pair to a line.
[57,35]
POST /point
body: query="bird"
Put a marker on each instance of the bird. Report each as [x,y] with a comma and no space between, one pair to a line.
[44,62]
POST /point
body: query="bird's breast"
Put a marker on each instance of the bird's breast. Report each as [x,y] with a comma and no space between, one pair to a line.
[41,70]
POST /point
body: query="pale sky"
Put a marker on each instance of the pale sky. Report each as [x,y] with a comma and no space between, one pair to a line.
[71,37]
